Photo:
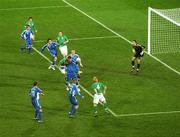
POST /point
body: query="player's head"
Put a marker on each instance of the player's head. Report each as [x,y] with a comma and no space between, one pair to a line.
[134,43]
[30,19]
[73,52]
[95,79]
[49,40]
[35,83]
[28,27]
[69,59]
[60,33]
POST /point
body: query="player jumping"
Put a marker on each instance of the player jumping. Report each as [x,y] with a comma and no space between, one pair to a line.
[51,46]
[32,26]
[73,91]
[34,93]
[100,90]
[62,40]
[27,36]
[138,51]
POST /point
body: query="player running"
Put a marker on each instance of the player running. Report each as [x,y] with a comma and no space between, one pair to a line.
[51,46]
[138,51]
[100,90]
[32,26]
[34,94]
[73,91]
[27,36]
[62,40]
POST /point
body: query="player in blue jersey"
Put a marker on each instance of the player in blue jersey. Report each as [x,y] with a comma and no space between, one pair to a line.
[73,91]
[34,94]
[71,70]
[76,60]
[27,36]
[51,46]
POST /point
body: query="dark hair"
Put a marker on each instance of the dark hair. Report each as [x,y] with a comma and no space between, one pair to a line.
[49,39]
[29,18]
[27,26]
[69,57]
[35,83]
[135,41]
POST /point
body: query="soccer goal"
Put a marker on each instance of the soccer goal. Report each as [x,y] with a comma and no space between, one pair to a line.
[163,30]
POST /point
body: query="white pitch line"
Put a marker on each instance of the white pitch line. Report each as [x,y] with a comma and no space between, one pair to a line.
[89,93]
[29,8]
[117,34]
[147,114]
[85,38]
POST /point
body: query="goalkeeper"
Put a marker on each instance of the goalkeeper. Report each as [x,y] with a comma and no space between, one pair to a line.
[138,51]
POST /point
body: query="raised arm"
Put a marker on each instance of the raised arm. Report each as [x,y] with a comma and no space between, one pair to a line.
[43,48]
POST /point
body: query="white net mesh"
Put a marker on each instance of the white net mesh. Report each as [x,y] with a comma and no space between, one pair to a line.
[165,31]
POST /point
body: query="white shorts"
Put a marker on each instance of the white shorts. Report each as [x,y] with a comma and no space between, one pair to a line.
[99,98]
[63,50]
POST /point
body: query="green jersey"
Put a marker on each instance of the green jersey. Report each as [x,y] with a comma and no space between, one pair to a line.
[62,62]
[32,26]
[61,40]
[98,87]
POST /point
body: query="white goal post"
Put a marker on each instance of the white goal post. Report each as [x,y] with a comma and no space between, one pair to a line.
[163,30]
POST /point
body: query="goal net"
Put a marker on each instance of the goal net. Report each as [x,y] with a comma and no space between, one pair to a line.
[163,30]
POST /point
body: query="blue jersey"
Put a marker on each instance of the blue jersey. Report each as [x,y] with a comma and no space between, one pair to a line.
[51,48]
[26,35]
[34,93]
[72,68]
[74,58]
[73,91]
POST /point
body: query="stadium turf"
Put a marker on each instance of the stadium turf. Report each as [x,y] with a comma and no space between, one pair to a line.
[154,89]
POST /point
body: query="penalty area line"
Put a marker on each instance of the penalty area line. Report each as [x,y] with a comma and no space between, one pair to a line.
[119,35]
[85,38]
[31,8]
[147,114]
[83,88]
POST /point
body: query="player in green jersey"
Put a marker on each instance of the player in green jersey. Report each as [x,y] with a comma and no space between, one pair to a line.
[32,26]
[62,40]
[100,90]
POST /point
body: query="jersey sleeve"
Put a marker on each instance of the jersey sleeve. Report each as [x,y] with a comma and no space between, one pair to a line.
[43,48]
[39,90]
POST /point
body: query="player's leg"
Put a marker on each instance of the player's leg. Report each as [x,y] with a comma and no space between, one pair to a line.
[103,100]
[74,106]
[133,63]
[138,64]
[95,103]
[34,105]
[39,111]
[29,46]
[54,59]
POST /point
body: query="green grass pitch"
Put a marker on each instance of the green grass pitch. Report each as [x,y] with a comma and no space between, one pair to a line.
[155,89]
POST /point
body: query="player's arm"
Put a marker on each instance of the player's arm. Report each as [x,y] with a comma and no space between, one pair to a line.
[41,92]
[143,49]
[23,35]
[66,40]
[78,93]
[43,48]
[105,88]
[79,62]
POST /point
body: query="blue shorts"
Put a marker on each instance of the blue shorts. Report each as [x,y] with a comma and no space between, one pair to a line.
[36,104]
[28,43]
[73,100]
[53,54]
[70,76]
